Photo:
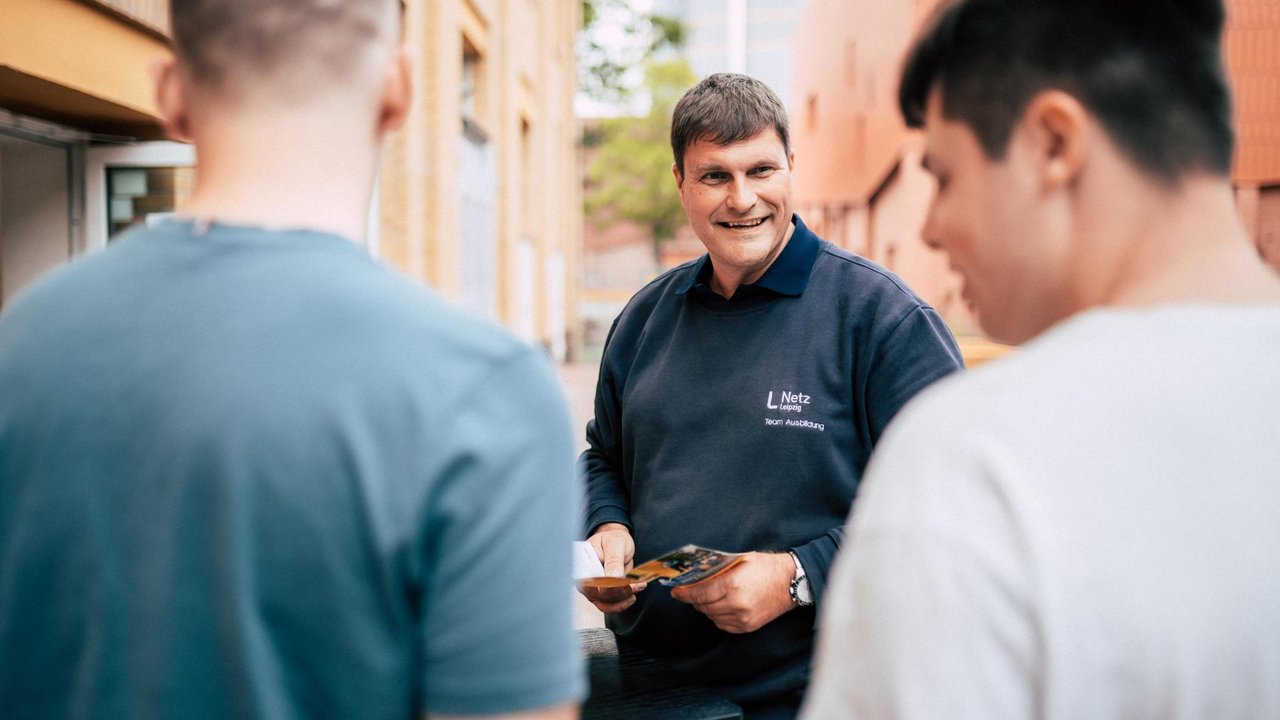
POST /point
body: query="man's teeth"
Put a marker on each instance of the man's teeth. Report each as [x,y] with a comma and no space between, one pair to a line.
[747,224]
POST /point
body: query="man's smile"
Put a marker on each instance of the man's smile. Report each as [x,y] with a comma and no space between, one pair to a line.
[743,224]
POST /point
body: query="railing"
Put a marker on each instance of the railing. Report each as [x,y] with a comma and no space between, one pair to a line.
[151,14]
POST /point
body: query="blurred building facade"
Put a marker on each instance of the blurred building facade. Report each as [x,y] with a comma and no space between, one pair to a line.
[753,37]
[1253,59]
[618,256]
[478,194]
[858,177]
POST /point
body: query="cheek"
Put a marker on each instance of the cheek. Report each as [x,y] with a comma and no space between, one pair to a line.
[954,221]
[778,194]
[701,202]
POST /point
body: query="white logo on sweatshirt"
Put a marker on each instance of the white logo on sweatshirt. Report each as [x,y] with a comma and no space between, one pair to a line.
[790,402]
[787,401]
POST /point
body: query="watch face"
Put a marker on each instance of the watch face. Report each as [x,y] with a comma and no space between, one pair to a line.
[803,592]
[800,592]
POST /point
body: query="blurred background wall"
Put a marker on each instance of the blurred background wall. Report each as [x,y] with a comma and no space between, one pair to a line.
[478,195]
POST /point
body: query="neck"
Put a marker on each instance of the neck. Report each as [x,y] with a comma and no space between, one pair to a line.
[725,280]
[1171,247]
[297,171]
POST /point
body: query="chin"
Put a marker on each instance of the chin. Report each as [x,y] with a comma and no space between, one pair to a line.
[1011,334]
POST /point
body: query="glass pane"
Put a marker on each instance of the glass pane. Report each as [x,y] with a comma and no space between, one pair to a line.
[135,194]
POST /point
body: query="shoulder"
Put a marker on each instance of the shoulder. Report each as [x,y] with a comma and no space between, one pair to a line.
[306,295]
[63,304]
[640,309]
[883,312]
[945,453]
[992,409]
[874,300]
[413,332]
[843,273]
[663,286]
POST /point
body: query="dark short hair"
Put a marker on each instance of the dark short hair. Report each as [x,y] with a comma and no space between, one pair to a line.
[725,108]
[225,44]
[1150,71]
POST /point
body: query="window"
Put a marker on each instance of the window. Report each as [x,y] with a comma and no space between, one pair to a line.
[470,62]
[137,194]
[473,90]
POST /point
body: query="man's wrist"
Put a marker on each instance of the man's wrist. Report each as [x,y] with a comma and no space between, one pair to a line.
[783,570]
[609,526]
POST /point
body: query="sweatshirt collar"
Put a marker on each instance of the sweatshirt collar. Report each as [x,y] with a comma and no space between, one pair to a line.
[788,275]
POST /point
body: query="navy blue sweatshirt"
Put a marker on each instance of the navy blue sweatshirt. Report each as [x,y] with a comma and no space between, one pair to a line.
[745,425]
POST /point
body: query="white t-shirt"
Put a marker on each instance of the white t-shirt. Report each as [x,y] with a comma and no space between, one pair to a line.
[1089,528]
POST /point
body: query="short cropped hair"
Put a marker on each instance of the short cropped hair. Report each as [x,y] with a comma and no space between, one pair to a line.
[1150,71]
[725,108]
[293,44]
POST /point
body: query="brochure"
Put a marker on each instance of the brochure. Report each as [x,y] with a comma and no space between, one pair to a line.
[683,566]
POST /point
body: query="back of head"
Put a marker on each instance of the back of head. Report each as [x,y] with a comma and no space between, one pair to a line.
[285,49]
[1150,71]
[725,108]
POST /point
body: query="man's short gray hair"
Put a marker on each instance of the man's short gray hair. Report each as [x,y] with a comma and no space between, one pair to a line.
[292,45]
[725,108]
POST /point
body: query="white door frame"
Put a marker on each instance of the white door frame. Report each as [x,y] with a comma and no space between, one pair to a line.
[96,162]
[165,154]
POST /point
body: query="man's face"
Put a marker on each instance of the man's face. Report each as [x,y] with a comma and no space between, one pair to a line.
[738,200]
[997,226]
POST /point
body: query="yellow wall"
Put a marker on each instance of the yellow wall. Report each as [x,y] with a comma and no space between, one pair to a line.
[81,48]
[72,63]
[528,76]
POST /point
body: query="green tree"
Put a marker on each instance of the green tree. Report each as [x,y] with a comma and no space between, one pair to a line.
[603,66]
[630,178]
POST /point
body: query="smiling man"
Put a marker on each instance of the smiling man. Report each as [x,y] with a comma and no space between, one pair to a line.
[1088,528]
[738,401]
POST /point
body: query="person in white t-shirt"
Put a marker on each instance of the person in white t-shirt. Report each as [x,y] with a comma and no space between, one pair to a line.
[1089,527]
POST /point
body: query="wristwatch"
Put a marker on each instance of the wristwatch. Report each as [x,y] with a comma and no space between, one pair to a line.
[800,593]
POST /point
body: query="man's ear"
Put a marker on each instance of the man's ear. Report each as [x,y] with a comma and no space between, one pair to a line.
[172,98]
[397,91]
[791,161]
[675,171]
[1061,137]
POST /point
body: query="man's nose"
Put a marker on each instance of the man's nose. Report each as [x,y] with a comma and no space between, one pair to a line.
[741,196]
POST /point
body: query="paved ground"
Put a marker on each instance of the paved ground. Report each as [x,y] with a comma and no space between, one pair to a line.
[580,387]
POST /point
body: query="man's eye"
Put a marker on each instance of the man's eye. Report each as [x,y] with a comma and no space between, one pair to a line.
[763,170]
[713,177]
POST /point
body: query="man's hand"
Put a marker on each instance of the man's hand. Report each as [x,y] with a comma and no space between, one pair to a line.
[617,550]
[746,597]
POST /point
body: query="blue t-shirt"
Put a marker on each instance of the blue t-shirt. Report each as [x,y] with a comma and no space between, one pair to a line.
[247,473]
[745,425]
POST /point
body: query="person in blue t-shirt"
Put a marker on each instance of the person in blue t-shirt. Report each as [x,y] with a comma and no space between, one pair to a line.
[739,399]
[248,471]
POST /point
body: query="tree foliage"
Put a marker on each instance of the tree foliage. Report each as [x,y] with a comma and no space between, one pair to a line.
[603,66]
[630,178]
